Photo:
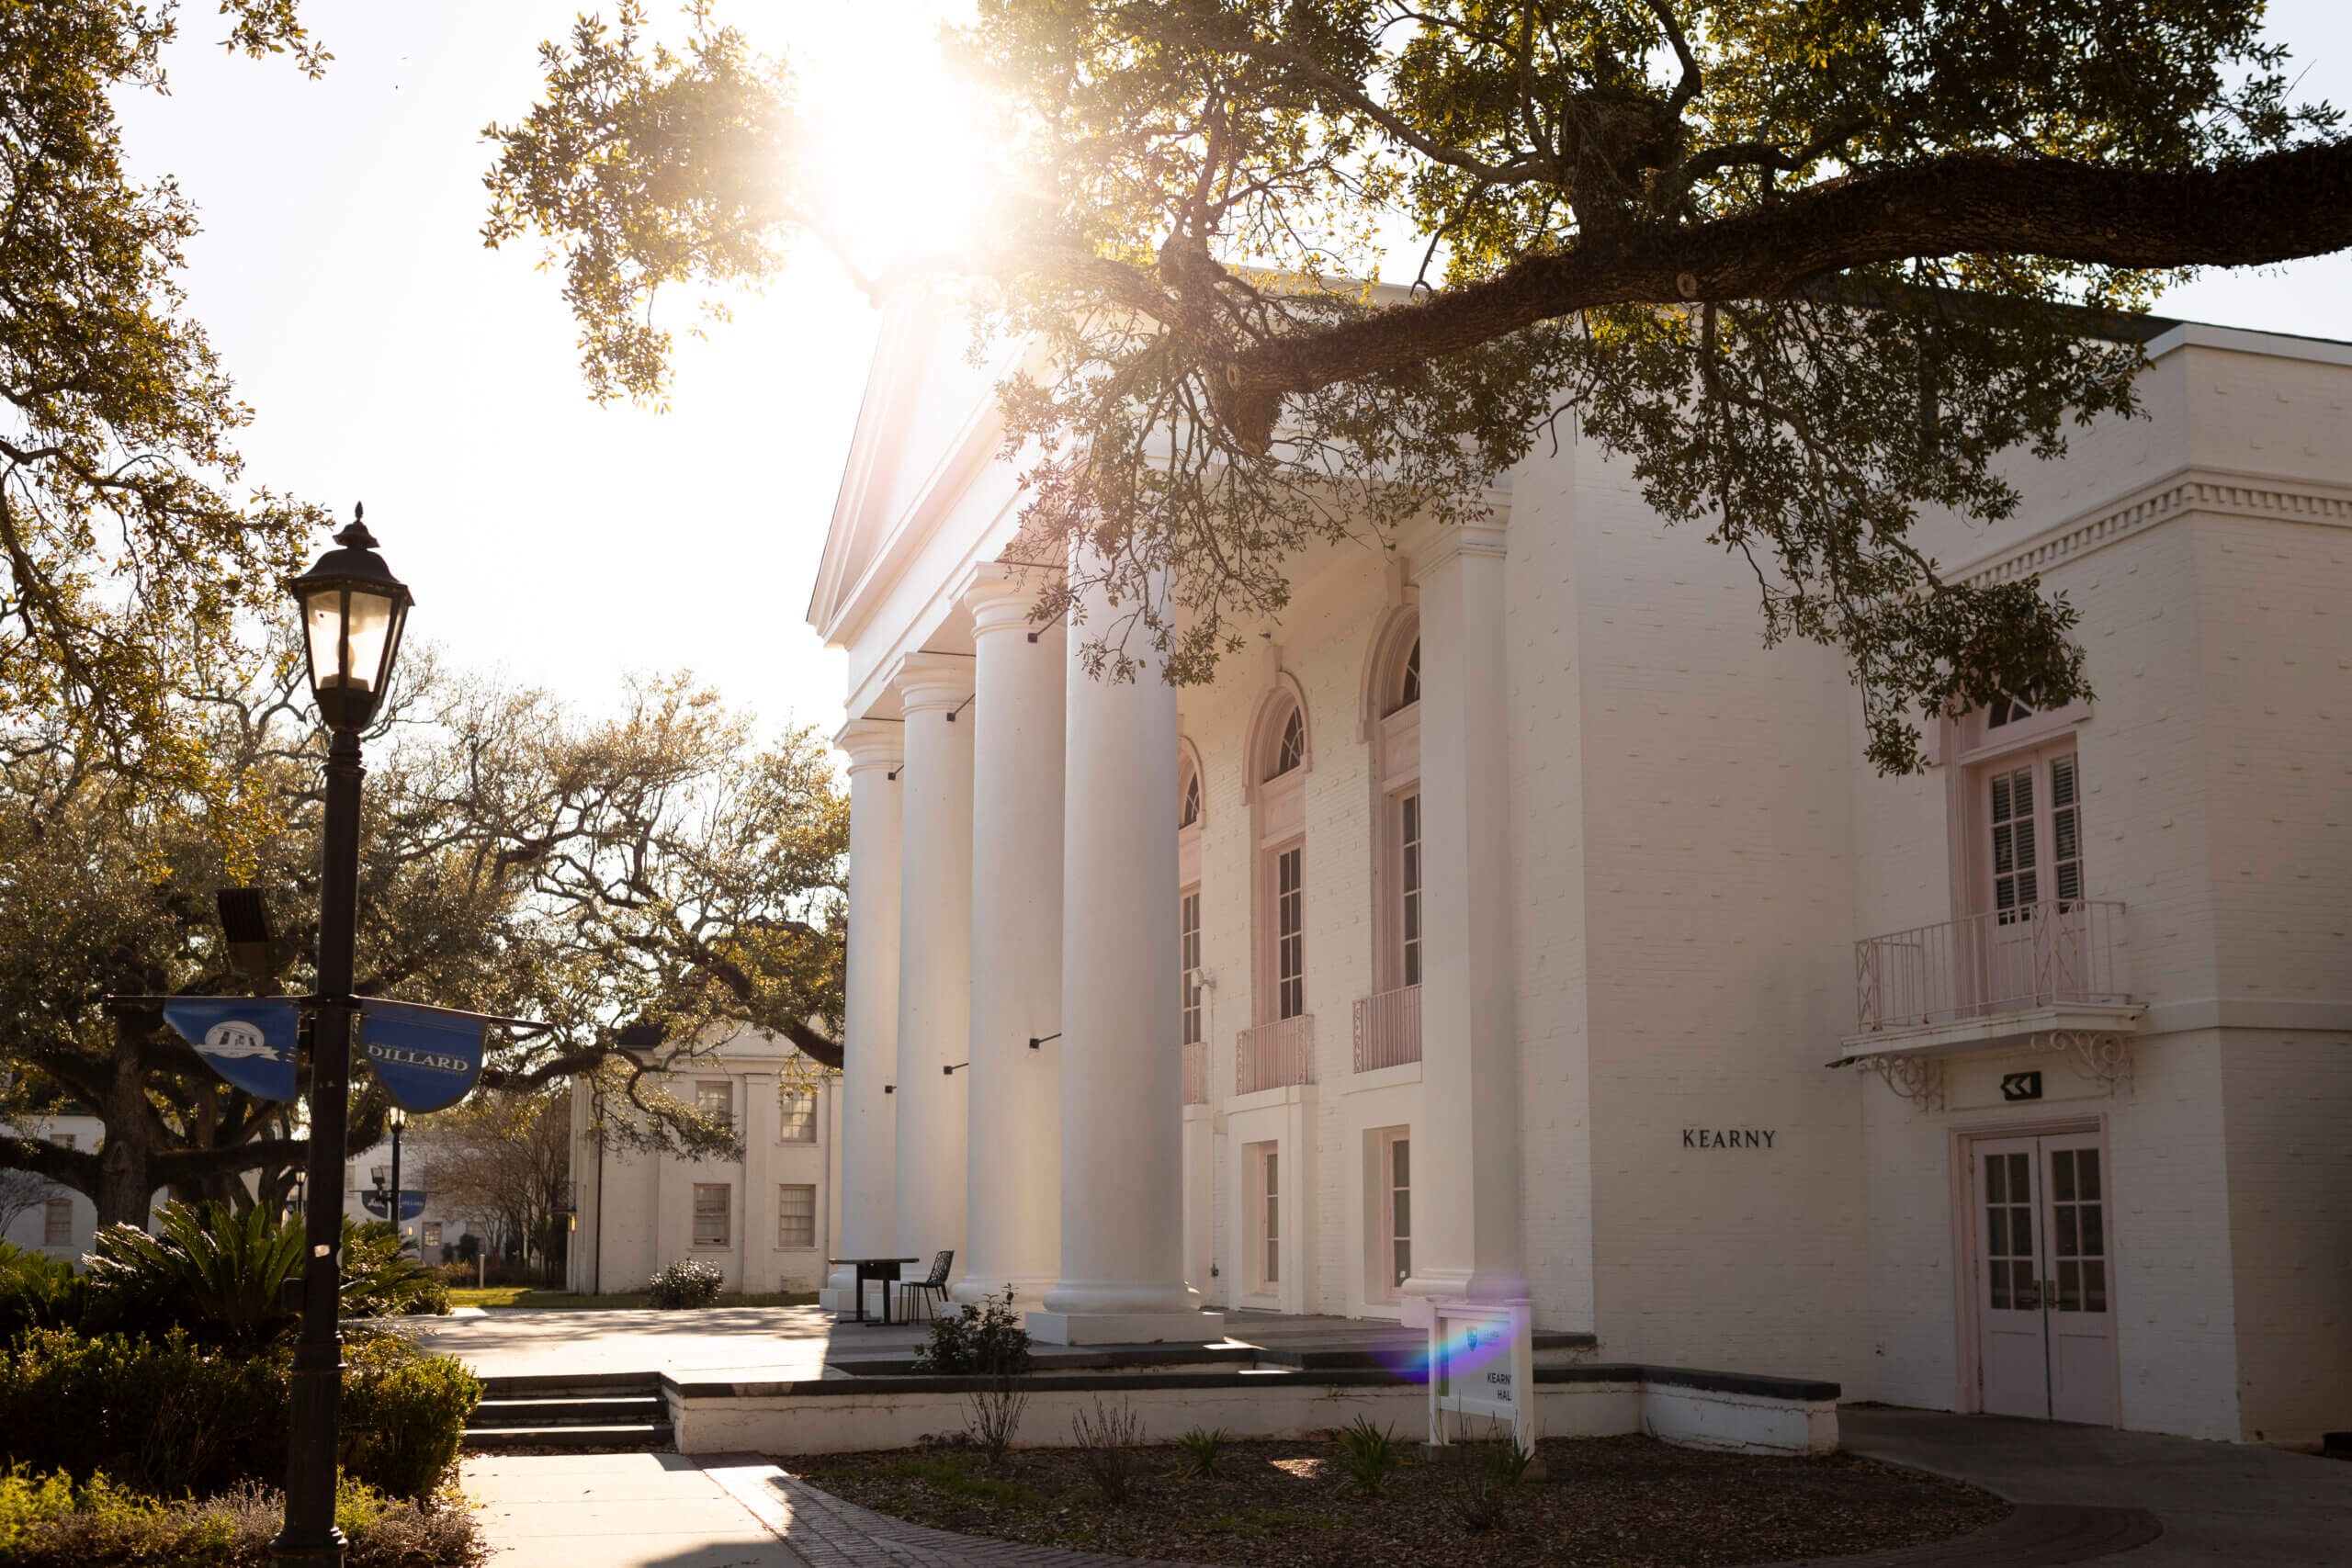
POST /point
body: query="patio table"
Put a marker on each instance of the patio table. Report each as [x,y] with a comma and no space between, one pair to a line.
[884,1270]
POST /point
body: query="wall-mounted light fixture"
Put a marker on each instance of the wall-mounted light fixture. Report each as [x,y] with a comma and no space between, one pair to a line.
[950,1071]
[1037,1040]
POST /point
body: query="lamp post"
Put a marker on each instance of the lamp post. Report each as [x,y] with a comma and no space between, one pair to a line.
[399,1215]
[353,612]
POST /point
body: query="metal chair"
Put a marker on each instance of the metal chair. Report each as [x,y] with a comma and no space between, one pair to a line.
[931,1288]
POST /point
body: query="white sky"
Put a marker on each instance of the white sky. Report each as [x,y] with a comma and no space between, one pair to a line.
[393,360]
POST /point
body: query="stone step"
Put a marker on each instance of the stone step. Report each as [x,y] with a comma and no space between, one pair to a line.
[570,1385]
[588,1412]
[638,1437]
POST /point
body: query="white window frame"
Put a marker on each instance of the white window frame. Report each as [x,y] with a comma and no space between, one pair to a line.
[57,1223]
[795,1116]
[725,1214]
[1188,965]
[725,1096]
[1265,1274]
[785,1240]
[1389,1282]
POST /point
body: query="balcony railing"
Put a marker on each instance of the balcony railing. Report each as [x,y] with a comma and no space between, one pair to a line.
[1388,1028]
[1276,1053]
[1196,1073]
[2035,955]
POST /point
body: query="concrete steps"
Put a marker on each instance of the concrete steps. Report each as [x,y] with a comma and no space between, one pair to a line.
[609,1412]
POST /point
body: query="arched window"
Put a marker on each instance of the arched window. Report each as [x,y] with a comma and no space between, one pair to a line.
[1408,683]
[1188,814]
[1290,751]
[2006,710]
[1396,814]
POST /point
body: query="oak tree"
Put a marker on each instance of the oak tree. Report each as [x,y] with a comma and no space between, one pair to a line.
[1809,267]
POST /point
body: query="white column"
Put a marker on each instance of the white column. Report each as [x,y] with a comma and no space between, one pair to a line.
[756,1244]
[1466,1235]
[934,954]
[869,1005]
[1122,1201]
[1014,1196]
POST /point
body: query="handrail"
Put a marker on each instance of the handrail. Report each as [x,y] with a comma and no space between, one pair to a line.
[1388,1028]
[1273,1054]
[2035,955]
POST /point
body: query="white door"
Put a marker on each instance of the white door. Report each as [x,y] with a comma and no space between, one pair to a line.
[2044,1279]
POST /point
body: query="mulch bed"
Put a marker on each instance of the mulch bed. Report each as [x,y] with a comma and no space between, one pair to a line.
[1625,1502]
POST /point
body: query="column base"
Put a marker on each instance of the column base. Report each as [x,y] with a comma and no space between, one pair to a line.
[1127,1328]
[971,1289]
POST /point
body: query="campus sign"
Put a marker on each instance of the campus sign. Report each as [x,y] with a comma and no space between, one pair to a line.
[426,1057]
[1482,1363]
[248,1041]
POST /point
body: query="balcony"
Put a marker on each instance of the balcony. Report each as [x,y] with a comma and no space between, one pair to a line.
[1273,1054]
[1388,1028]
[1992,979]
[1196,1073]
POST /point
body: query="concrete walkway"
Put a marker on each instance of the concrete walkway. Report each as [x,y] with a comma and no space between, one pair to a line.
[2219,1503]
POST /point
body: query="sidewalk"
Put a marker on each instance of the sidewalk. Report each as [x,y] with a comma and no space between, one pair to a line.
[616,1511]
[2219,1503]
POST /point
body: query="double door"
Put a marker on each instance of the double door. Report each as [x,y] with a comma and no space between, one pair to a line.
[2044,1278]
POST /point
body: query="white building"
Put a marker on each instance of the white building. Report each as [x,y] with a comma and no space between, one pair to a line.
[767,1220]
[63,1224]
[1496,932]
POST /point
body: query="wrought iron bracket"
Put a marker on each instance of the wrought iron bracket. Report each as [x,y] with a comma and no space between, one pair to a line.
[1919,1079]
[2099,1057]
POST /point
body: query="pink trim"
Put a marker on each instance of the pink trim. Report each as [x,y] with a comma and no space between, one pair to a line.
[1384,657]
[1196,1073]
[1265,731]
[1274,1054]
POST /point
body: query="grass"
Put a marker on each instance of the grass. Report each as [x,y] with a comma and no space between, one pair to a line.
[543,1300]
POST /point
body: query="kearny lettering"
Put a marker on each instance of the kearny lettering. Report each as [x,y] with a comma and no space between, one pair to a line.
[1727,1137]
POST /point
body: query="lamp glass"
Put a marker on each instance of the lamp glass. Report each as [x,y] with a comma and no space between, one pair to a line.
[368,632]
[323,631]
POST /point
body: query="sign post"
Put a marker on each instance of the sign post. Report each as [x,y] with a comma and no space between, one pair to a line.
[1482,1362]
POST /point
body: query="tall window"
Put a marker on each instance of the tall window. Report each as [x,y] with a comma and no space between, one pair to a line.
[1408,885]
[1189,814]
[2034,812]
[711,1228]
[795,1216]
[1289,924]
[57,1223]
[1188,961]
[1292,748]
[797,1117]
[1396,1180]
[715,1097]
[1409,685]
[1266,1167]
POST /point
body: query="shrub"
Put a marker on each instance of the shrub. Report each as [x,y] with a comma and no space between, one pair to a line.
[685,1283]
[1201,1449]
[48,1521]
[167,1415]
[208,1270]
[403,1414]
[984,1338]
[1368,1458]
[38,1291]
[381,1280]
[1110,1448]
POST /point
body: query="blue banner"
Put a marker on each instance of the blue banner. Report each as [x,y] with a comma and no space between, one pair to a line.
[426,1057]
[377,1204]
[248,1041]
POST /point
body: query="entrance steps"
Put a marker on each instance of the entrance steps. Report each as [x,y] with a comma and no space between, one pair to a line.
[605,1411]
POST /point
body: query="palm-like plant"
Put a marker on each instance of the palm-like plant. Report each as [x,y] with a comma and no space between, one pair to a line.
[218,1273]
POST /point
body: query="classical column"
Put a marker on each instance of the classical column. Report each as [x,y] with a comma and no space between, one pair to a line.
[870,1004]
[1123,1202]
[934,954]
[1014,1221]
[1466,1235]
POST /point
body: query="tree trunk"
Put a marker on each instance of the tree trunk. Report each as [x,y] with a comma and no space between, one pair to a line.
[124,1187]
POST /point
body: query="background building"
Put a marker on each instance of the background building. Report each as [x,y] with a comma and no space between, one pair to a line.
[766,1220]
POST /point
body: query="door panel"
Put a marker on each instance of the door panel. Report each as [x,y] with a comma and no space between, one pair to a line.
[2013,1350]
[2044,1279]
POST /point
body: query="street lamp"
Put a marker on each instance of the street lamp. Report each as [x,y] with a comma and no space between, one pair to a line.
[353,613]
[399,1119]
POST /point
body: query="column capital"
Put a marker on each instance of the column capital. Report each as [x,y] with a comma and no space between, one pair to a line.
[1437,543]
[1000,595]
[933,681]
[872,742]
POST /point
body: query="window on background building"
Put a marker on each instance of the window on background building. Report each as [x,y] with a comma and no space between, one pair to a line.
[1290,927]
[797,1117]
[2034,814]
[795,1216]
[433,1232]
[1188,944]
[57,1223]
[1292,751]
[711,1215]
[715,1097]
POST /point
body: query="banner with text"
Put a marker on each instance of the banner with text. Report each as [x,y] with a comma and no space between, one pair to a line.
[248,1041]
[426,1057]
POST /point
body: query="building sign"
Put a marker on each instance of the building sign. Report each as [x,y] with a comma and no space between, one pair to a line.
[248,1041]
[1482,1364]
[2020,1086]
[1727,1137]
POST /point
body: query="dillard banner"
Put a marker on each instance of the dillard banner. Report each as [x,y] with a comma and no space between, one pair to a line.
[248,1041]
[426,1057]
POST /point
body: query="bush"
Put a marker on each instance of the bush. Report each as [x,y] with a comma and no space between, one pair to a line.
[49,1521]
[685,1283]
[984,1338]
[1368,1458]
[1110,1448]
[208,1270]
[381,1280]
[169,1416]
[38,1291]
[1203,1449]
[403,1414]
